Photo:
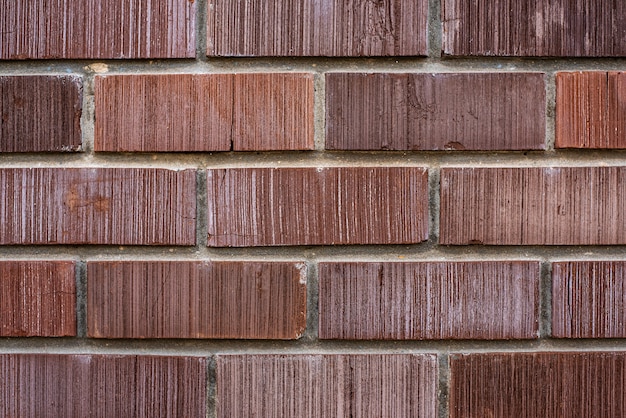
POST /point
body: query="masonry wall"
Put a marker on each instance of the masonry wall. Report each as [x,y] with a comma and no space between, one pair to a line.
[329,208]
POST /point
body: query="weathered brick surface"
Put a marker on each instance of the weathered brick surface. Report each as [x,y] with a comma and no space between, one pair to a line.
[155,299]
[128,206]
[57,385]
[533,206]
[591,109]
[37,298]
[424,111]
[97,29]
[204,112]
[435,300]
[317,206]
[317,28]
[402,385]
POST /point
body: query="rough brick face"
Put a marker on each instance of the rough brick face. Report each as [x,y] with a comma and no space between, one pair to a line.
[438,300]
[471,111]
[38,385]
[317,28]
[97,206]
[546,385]
[589,299]
[317,206]
[40,113]
[533,206]
[152,299]
[97,29]
[543,28]
[327,385]
[204,112]
[591,109]
[37,298]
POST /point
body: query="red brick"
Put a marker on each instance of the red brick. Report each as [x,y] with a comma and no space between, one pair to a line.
[419,111]
[544,28]
[565,384]
[97,29]
[144,299]
[130,206]
[378,385]
[533,206]
[204,112]
[56,385]
[589,299]
[317,28]
[591,109]
[323,206]
[40,113]
[434,300]
[37,298]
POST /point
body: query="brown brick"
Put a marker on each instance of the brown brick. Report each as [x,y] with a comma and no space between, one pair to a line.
[591,109]
[97,29]
[317,28]
[565,384]
[55,385]
[430,300]
[533,206]
[313,386]
[144,299]
[130,206]
[204,112]
[459,111]
[543,28]
[37,298]
[40,113]
[589,299]
[323,206]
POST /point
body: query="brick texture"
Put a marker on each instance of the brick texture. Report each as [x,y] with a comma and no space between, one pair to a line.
[97,29]
[97,206]
[544,28]
[317,28]
[40,113]
[589,299]
[327,385]
[546,385]
[438,300]
[309,206]
[40,385]
[533,206]
[143,299]
[452,111]
[591,109]
[37,298]
[204,112]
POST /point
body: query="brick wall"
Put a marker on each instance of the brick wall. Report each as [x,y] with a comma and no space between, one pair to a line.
[388,208]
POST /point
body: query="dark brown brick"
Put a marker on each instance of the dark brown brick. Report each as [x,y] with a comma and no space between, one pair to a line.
[97,29]
[533,206]
[204,112]
[37,298]
[317,28]
[543,28]
[153,299]
[452,111]
[313,386]
[129,206]
[434,300]
[591,109]
[317,206]
[565,384]
[40,113]
[589,299]
[55,385]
